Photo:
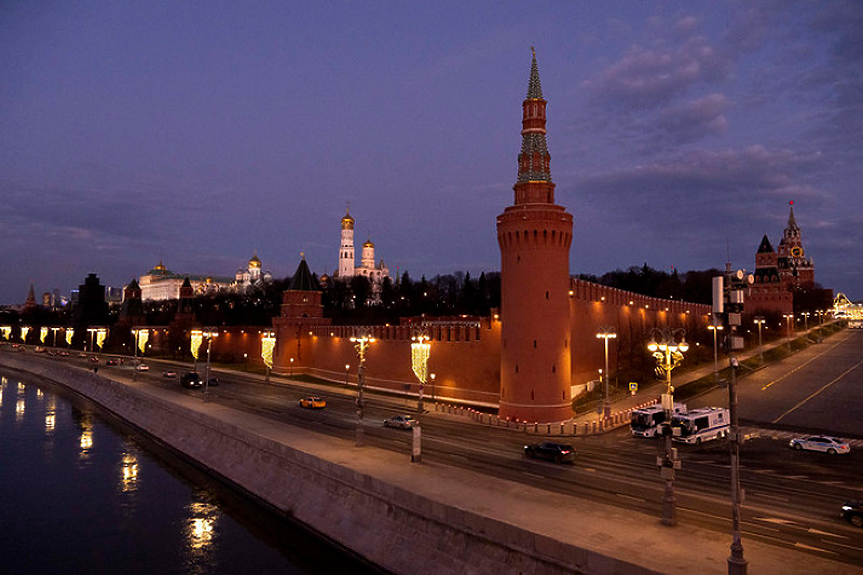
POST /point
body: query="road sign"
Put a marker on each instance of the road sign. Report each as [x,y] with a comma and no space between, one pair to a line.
[633,387]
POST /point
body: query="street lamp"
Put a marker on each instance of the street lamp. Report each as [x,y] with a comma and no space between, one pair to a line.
[668,351]
[208,334]
[419,363]
[759,321]
[291,368]
[361,344]
[268,345]
[432,377]
[788,318]
[347,367]
[141,337]
[606,334]
[714,328]
[806,315]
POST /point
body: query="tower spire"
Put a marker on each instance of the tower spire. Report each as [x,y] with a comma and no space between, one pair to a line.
[534,185]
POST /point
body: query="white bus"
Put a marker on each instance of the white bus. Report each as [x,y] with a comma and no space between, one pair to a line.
[647,421]
[700,425]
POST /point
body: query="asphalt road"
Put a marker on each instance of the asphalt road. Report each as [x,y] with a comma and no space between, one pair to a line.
[792,498]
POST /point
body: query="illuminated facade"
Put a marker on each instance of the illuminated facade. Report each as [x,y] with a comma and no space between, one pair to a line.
[347,256]
[160,283]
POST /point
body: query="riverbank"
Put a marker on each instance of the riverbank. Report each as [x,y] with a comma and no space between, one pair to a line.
[411,518]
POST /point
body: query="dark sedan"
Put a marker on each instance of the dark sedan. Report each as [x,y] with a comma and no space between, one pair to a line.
[557,452]
[853,513]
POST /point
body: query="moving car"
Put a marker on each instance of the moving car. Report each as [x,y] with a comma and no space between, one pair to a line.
[191,380]
[213,381]
[557,452]
[169,374]
[852,511]
[313,402]
[143,367]
[400,422]
[823,443]
[112,361]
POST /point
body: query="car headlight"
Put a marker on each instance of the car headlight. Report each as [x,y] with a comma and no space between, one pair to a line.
[846,508]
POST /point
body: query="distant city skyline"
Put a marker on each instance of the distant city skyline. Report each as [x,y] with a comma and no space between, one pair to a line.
[198,135]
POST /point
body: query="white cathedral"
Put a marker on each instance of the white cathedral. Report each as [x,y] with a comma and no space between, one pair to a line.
[347,258]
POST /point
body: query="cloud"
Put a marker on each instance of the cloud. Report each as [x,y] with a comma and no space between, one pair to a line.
[648,78]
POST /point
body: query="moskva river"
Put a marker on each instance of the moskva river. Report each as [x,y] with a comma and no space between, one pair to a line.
[80,493]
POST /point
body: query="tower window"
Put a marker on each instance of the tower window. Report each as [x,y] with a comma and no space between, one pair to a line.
[531,395]
[546,295]
[534,343]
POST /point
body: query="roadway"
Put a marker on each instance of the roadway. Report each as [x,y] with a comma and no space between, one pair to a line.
[792,498]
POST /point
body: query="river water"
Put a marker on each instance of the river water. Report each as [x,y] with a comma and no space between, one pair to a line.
[81,493]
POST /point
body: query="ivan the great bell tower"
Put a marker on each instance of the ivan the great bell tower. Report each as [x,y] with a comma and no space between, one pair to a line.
[534,235]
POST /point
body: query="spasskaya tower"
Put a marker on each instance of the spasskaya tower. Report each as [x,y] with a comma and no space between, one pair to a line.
[534,235]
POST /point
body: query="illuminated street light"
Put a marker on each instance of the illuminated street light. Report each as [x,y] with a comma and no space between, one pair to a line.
[361,344]
[347,369]
[714,328]
[759,321]
[208,334]
[606,334]
[268,344]
[668,352]
[420,349]
[432,377]
[141,337]
[806,315]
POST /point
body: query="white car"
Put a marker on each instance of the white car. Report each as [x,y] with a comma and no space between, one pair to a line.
[823,443]
[143,367]
[400,422]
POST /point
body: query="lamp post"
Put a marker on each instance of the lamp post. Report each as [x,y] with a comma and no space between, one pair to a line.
[419,363]
[606,334]
[54,333]
[291,368]
[788,317]
[268,345]
[347,368]
[806,315]
[714,328]
[361,344]
[759,321]
[92,331]
[432,377]
[668,351]
[208,334]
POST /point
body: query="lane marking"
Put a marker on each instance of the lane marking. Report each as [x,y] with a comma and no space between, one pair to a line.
[819,532]
[810,548]
[776,520]
[849,370]
[801,366]
[631,497]
[591,469]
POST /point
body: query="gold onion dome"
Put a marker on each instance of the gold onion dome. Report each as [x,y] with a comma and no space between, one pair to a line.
[368,244]
[347,222]
[255,262]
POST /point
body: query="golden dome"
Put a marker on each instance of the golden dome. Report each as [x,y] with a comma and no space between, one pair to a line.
[347,221]
[368,244]
[255,262]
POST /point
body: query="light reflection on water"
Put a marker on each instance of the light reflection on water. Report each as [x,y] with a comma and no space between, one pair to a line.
[79,496]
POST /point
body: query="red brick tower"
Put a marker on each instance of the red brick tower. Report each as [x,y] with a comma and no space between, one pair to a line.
[795,269]
[534,235]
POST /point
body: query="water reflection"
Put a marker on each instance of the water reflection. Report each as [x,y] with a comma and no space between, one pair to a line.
[129,473]
[84,423]
[201,532]
[20,407]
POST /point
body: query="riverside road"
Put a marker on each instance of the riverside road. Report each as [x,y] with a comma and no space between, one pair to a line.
[792,498]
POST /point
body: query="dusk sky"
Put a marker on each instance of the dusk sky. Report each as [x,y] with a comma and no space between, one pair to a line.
[199,133]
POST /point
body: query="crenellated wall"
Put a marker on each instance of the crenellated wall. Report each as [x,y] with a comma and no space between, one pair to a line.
[465,355]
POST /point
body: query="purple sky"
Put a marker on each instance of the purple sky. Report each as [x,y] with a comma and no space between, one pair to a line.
[198,133]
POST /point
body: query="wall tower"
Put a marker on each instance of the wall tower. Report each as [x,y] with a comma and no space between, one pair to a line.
[795,269]
[534,235]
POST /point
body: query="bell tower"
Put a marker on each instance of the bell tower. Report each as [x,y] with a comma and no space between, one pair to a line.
[534,235]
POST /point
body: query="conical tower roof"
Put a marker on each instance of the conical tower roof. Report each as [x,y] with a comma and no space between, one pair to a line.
[303,279]
[534,88]
[765,247]
[792,223]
